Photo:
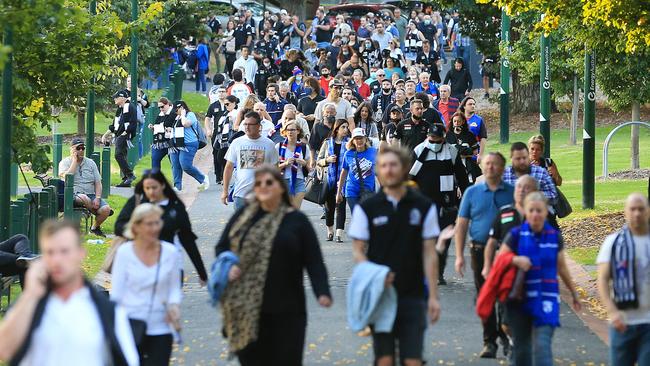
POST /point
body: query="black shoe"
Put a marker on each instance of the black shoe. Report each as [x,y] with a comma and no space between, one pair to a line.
[507,348]
[338,239]
[489,351]
[323,216]
[330,237]
[98,231]
[125,184]
[24,260]
[486,96]
[442,282]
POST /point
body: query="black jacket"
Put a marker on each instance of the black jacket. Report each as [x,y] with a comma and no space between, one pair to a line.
[175,221]
[126,120]
[460,81]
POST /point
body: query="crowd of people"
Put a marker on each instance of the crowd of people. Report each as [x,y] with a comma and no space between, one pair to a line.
[364,117]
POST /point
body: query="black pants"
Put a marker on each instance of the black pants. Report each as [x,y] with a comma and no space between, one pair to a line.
[230,62]
[219,159]
[155,350]
[10,250]
[491,329]
[445,219]
[331,206]
[121,149]
[281,341]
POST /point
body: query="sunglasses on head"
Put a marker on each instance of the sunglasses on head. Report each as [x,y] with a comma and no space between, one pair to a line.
[80,147]
[264,183]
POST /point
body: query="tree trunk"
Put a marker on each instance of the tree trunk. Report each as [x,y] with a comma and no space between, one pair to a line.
[525,98]
[574,111]
[81,121]
[636,106]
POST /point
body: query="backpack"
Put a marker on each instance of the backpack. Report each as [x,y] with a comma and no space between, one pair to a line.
[192,60]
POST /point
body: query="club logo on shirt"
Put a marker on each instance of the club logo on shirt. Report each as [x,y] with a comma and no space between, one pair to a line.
[380,220]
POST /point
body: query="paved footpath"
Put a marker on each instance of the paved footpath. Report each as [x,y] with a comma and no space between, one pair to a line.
[454,340]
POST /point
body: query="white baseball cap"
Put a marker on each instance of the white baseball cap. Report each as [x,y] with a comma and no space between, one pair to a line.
[358,132]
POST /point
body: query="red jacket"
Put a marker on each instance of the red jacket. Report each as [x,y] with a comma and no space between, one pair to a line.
[497,286]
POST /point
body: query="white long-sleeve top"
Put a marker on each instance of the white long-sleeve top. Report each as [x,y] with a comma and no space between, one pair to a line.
[133,281]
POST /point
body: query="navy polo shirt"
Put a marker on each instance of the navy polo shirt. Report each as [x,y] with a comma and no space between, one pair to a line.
[481,205]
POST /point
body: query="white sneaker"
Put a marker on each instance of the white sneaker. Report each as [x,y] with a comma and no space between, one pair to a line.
[177,190]
[205,185]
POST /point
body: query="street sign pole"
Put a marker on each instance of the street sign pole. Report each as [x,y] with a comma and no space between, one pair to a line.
[90,104]
[545,92]
[589,133]
[504,92]
[5,137]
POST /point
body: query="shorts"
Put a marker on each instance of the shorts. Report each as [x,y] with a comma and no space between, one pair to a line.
[92,197]
[408,331]
[300,185]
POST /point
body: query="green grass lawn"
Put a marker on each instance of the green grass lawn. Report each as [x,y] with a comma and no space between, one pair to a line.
[610,193]
[584,256]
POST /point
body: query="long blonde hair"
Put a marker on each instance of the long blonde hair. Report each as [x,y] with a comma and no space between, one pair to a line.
[141,212]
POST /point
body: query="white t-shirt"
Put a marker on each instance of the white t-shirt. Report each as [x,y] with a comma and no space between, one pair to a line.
[70,333]
[642,268]
[133,285]
[247,155]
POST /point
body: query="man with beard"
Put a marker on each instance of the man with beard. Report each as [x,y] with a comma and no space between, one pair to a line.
[520,161]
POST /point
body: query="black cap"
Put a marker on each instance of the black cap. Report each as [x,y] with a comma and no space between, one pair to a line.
[121,94]
[77,141]
[396,108]
[436,129]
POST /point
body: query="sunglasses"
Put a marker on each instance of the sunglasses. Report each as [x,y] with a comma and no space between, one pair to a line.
[336,87]
[80,147]
[227,104]
[264,183]
[291,130]
[381,74]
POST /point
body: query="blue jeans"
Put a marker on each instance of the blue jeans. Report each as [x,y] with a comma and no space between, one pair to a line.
[532,345]
[140,147]
[200,80]
[156,157]
[239,202]
[631,346]
[352,201]
[183,161]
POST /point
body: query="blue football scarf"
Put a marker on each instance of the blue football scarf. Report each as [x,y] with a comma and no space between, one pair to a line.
[542,286]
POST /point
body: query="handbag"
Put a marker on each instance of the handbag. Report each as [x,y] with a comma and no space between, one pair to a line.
[562,206]
[363,192]
[315,188]
[138,326]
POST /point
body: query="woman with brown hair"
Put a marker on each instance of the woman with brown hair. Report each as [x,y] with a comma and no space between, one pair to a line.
[465,142]
[536,148]
[330,157]
[294,156]
[363,119]
[263,305]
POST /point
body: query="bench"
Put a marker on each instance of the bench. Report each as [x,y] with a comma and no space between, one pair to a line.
[5,290]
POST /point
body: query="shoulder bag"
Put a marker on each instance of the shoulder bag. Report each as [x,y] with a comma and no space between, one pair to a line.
[139,327]
[315,187]
[200,135]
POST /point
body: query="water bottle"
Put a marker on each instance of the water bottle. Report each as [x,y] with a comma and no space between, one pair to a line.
[95,241]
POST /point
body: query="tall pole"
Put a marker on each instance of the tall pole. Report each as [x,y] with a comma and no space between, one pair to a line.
[589,133]
[504,92]
[134,53]
[5,137]
[90,103]
[545,92]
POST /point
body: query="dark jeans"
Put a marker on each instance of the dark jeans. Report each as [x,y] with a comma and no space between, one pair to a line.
[332,207]
[10,250]
[281,341]
[200,81]
[230,62]
[531,345]
[444,220]
[121,149]
[218,159]
[631,346]
[491,328]
[155,350]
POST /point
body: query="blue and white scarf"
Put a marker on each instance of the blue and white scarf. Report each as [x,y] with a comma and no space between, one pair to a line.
[294,167]
[623,270]
[334,169]
[542,286]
